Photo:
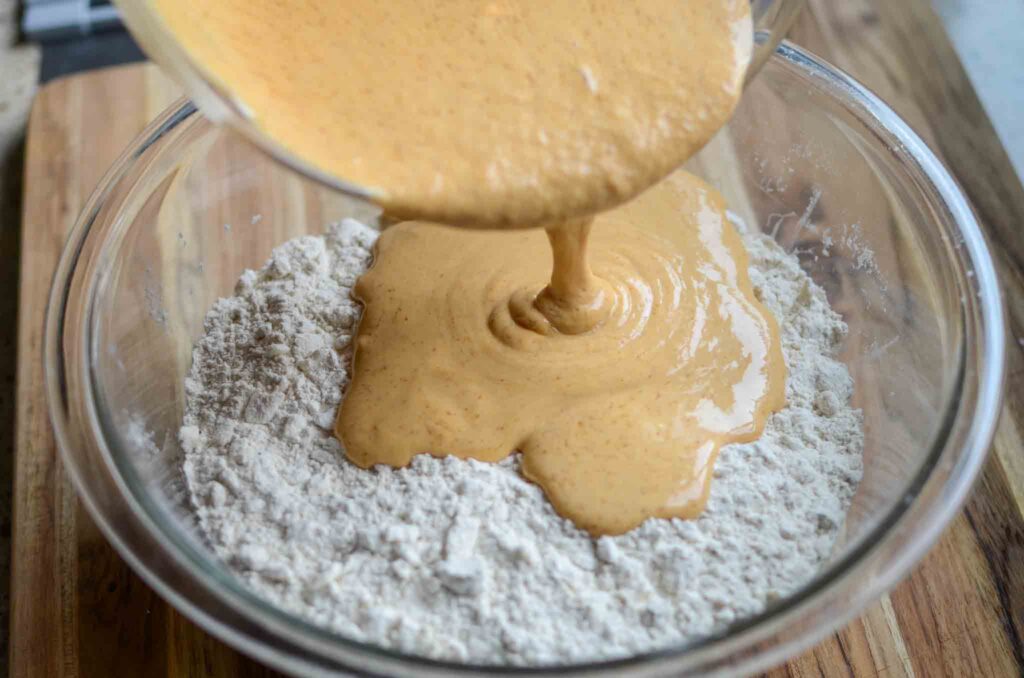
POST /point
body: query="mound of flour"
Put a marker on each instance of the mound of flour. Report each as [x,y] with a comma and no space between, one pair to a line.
[465,560]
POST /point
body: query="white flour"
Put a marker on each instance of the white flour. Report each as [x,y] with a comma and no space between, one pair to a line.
[465,560]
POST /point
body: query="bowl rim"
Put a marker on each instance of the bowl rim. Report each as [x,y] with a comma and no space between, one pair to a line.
[742,637]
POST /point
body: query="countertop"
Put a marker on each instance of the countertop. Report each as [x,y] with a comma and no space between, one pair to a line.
[947,618]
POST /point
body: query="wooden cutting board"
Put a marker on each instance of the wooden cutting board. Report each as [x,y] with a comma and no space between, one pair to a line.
[77,610]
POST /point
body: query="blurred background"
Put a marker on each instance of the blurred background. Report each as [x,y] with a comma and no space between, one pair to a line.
[41,40]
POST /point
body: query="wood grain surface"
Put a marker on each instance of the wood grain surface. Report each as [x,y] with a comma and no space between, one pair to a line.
[78,610]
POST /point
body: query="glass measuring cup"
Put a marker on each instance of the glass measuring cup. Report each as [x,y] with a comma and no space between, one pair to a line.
[771,21]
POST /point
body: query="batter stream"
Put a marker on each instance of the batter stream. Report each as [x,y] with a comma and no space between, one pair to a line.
[619,359]
[616,424]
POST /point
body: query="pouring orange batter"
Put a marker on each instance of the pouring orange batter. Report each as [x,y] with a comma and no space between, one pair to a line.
[617,424]
[479,112]
[621,374]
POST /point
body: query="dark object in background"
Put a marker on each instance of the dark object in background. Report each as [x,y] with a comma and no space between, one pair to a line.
[77,35]
[46,20]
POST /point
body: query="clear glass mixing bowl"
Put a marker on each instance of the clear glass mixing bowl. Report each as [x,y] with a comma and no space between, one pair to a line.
[811,158]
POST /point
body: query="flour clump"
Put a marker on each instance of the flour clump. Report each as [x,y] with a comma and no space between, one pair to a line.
[466,560]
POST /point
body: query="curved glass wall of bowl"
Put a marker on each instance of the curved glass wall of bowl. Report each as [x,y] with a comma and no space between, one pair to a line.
[811,158]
